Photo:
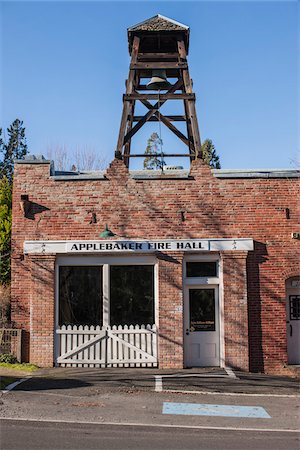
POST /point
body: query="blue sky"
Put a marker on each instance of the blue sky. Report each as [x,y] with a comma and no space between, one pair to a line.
[64,64]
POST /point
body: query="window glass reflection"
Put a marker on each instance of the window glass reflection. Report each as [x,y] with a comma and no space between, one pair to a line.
[131,295]
[80,295]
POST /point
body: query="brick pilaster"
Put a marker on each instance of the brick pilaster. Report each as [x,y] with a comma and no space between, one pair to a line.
[170,340]
[42,309]
[235,309]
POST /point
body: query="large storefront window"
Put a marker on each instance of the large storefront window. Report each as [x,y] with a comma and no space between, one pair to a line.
[131,295]
[80,295]
[106,295]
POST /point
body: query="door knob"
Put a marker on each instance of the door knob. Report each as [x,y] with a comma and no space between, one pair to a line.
[187,331]
[291,330]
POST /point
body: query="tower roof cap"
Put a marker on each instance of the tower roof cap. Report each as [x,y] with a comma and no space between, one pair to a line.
[158,24]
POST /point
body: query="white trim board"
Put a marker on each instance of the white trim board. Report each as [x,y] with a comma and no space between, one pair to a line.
[73,247]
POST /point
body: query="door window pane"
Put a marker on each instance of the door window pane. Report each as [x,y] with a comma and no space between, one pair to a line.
[201,269]
[202,309]
[131,295]
[80,295]
[294,307]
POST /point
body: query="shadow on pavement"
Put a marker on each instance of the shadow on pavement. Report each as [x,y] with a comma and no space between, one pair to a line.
[130,380]
[45,384]
[244,383]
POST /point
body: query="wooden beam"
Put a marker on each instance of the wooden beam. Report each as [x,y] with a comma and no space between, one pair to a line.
[139,125]
[172,128]
[143,87]
[165,120]
[171,74]
[161,97]
[129,127]
[126,105]
[188,124]
[166,155]
[150,113]
[158,65]
[191,109]
[171,90]
[155,119]
[157,56]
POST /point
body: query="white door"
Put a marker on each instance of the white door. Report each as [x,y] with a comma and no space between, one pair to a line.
[201,320]
[293,321]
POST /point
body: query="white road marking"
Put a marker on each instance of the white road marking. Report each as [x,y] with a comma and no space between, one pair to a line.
[152,425]
[158,383]
[159,378]
[11,386]
[193,375]
[230,372]
[174,391]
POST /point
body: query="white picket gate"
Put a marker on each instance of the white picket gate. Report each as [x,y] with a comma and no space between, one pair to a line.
[95,346]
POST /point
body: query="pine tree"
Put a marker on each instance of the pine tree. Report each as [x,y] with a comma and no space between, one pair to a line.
[16,148]
[1,141]
[153,158]
[209,154]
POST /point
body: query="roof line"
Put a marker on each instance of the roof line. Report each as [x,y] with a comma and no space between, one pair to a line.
[162,17]
[267,170]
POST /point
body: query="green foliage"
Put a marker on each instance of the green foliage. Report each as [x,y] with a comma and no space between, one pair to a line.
[209,154]
[153,159]
[8,358]
[15,148]
[5,229]
[5,298]
[24,367]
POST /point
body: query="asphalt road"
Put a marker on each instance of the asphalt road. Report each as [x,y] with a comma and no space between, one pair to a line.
[17,435]
[115,409]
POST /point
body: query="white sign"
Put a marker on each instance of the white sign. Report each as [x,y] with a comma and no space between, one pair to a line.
[114,246]
[135,246]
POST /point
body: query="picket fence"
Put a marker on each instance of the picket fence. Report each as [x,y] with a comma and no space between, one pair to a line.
[116,346]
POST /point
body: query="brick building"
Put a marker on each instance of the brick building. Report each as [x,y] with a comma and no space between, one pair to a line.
[197,266]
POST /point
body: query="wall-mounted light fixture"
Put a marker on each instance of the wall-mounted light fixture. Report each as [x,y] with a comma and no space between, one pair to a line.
[295,235]
[93,216]
[107,233]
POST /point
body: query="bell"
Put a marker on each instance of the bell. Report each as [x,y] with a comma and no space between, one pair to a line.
[158,80]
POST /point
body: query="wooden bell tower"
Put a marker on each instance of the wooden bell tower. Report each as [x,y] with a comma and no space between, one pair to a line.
[157,44]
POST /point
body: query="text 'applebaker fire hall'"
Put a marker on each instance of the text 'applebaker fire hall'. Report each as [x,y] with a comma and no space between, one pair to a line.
[171,267]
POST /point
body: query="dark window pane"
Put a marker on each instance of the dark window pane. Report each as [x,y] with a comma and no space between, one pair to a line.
[201,269]
[202,309]
[294,307]
[80,295]
[131,295]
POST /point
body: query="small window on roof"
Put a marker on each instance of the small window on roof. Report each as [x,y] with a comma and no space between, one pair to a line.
[201,269]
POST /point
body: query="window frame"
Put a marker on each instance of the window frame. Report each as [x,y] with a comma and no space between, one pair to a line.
[106,261]
[190,281]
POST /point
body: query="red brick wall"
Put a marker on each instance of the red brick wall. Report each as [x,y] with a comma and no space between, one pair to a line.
[235,309]
[214,208]
[42,310]
[170,311]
